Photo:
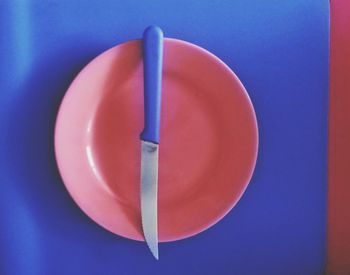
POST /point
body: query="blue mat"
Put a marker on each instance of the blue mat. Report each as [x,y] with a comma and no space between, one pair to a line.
[279,49]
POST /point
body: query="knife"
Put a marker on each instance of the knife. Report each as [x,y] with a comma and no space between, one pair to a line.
[152,66]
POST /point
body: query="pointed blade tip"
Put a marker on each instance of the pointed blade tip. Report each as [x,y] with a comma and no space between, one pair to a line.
[153,248]
[156,255]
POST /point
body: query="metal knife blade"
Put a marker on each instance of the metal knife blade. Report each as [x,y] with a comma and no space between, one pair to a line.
[149,187]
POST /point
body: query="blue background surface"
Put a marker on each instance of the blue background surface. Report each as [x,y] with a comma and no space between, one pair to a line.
[279,49]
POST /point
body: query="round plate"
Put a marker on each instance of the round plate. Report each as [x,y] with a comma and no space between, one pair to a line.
[208,140]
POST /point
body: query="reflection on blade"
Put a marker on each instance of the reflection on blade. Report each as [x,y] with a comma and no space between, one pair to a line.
[149,184]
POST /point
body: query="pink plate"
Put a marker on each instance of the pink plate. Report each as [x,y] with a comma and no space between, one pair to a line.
[208,147]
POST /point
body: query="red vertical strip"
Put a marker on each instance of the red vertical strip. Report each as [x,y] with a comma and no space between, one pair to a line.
[339,141]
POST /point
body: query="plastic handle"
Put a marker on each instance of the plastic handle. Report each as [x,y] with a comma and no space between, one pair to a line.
[152,66]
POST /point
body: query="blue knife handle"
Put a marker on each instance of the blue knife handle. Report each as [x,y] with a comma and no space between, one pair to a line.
[152,66]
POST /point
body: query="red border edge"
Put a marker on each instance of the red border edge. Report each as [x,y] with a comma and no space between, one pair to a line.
[338,231]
